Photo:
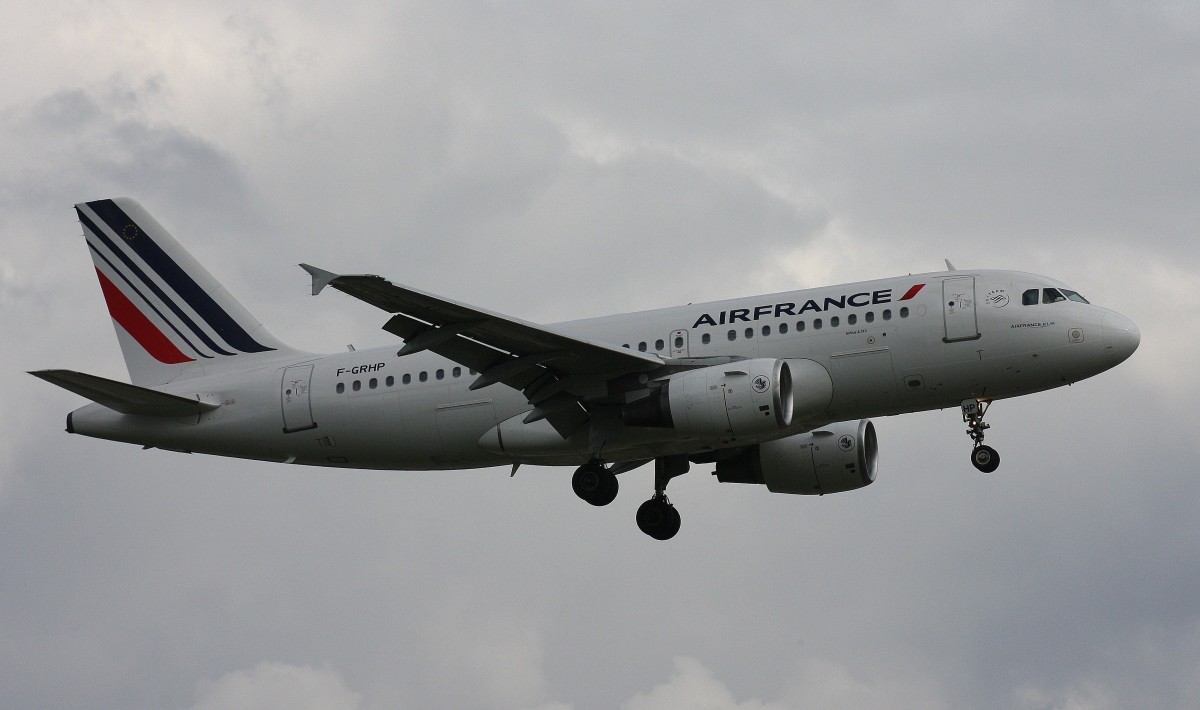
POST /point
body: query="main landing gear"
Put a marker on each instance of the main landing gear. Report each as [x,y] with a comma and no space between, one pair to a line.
[597,484]
[657,517]
[983,457]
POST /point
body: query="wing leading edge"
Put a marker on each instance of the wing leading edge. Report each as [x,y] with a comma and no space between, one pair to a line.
[555,371]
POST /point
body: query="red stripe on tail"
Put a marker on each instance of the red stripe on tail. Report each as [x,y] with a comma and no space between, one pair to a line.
[138,325]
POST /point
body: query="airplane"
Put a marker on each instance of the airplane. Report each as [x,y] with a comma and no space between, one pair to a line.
[776,390]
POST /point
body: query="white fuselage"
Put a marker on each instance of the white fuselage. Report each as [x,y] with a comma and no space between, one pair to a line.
[959,335]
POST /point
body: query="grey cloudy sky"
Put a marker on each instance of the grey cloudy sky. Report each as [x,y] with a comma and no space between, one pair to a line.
[564,160]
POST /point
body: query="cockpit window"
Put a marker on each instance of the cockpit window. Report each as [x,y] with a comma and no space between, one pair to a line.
[1074,296]
[1052,295]
[1030,297]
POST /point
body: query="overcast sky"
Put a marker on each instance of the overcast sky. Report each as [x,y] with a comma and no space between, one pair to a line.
[565,160]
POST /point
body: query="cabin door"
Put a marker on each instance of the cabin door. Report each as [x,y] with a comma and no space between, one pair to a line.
[294,393]
[958,304]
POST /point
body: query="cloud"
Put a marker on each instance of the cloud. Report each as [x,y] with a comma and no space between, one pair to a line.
[281,686]
[691,685]
[556,162]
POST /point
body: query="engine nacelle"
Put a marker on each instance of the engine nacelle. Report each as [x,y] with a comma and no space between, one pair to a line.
[840,457]
[742,398]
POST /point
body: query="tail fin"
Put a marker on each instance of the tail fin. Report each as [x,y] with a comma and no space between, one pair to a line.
[173,319]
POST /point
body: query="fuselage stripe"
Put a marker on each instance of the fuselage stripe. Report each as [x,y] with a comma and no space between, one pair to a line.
[178,279]
[912,292]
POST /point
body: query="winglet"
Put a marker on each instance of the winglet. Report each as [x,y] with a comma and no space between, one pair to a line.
[321,278]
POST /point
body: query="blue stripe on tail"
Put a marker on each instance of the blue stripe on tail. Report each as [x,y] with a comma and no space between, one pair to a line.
[136,271]
[175,277]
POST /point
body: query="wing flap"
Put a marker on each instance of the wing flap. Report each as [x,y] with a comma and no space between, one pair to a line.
[124,398]
[419,312]
[556,372]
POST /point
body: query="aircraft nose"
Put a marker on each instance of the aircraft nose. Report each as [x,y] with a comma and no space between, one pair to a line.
[1121,337]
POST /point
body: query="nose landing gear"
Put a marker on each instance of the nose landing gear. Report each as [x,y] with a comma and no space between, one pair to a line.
[983,457]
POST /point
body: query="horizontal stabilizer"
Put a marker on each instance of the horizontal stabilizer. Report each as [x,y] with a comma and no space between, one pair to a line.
[124,398]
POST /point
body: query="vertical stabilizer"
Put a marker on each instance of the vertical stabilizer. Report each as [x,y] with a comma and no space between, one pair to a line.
[173,319]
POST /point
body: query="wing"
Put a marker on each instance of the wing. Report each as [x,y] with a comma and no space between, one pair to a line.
[555,371]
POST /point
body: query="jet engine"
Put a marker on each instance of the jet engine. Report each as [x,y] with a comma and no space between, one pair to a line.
[742,398]
[840,457]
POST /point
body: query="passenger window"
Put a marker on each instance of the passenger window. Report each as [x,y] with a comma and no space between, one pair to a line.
[834,322]
[706,338]
[373,384]
[390,381]
[440,374]
[406,379]
[1051,295]
[816,324]
[1030,297]
[659,345]
[457,372]
[851,319]
[749,334]
[424,376]
[626,346]
[341,387]
[887,314]
[732,335]
[783,328]
[799,326]
[679,342]
[766,330]
[904,312]
[356,386]
[870,316]
[642,346]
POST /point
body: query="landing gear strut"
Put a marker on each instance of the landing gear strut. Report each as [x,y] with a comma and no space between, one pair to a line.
[657,517]
[594,483]
[983,457]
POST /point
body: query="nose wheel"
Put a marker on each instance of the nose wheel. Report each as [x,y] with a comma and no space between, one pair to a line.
[983,457]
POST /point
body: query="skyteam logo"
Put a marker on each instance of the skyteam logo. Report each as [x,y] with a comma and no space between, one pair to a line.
[812,305]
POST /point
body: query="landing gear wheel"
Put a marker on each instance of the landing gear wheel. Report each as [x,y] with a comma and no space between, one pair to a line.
[595,484]
[985,458]
[658,518]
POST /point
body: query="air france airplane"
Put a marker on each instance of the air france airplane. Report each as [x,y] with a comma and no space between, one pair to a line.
[775,390]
